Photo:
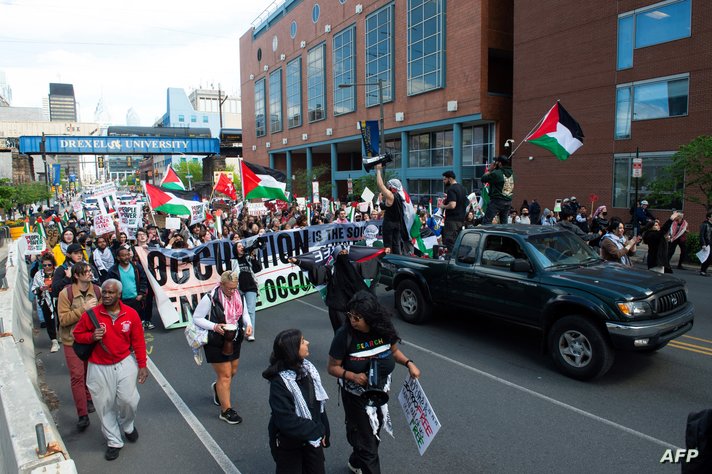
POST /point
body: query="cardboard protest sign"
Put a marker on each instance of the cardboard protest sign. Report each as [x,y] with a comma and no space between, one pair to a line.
[197,212]
[31,244]
[315,192]
[419,414]
[129,216]
[107,203]
[367,195]
[103,224]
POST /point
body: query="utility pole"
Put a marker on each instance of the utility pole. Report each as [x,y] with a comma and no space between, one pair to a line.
[44,160]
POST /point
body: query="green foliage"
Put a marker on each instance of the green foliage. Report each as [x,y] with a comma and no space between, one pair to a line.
[195,169]
[7,193]
[302,183]
[369,181]
[25,193]
[692,243]
[689,174]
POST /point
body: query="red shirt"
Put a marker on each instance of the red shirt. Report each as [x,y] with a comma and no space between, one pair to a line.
[120,337]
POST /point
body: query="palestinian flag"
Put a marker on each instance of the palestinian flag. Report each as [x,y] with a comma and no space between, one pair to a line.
[26,228]
[262,182]
[167,202]
[559,133]
[39,228]
[172,181]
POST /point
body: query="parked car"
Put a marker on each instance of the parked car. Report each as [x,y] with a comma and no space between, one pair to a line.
[549,279]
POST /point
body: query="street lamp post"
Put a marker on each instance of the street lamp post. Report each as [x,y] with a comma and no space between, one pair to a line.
[190,183]
[379,83]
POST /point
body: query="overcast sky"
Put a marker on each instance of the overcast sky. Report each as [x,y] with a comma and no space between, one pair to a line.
[127,52]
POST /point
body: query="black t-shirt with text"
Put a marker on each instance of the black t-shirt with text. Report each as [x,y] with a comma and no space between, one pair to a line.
[362,348]
[456,193]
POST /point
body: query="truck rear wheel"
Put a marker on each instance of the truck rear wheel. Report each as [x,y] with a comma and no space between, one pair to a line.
[579,348]
[412,305]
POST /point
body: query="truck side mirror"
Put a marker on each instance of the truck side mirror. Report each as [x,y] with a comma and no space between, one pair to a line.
[520,265]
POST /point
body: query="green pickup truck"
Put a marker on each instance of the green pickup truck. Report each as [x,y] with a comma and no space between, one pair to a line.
[549,279]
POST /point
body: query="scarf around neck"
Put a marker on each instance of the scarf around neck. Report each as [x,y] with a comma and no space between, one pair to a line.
[289,377]
[620,243]
[232,307]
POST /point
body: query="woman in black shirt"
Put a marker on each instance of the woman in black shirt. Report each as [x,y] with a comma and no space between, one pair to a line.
[369,336]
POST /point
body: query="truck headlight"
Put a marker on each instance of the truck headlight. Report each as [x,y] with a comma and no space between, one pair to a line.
[635,309]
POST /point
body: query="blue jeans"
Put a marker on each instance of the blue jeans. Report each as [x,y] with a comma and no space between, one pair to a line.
[251,298]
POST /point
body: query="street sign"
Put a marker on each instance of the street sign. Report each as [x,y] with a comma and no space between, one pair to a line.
[637,167]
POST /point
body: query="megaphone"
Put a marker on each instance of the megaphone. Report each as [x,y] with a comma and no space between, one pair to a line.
[374,396]
[369,162]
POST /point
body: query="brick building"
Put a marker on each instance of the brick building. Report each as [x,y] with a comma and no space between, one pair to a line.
[635,74]
[446,68]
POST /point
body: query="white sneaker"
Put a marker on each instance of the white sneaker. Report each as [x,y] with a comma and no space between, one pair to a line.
[251,337]
[55,346]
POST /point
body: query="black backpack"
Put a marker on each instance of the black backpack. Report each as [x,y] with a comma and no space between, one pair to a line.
[699,436]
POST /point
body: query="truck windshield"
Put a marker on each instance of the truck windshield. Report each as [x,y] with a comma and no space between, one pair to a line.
[561,249]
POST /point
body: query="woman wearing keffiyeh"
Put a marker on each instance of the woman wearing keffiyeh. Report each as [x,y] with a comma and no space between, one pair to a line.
[298,427]
[615,247]
[223,306]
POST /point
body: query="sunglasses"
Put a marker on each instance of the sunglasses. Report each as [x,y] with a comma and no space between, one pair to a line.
[354,317]
[47,265]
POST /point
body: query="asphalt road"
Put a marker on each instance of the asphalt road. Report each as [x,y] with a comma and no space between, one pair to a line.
[502,406]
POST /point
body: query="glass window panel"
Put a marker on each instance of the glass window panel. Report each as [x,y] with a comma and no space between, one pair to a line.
[294,93]
[623,112]
[625,42]
[662,24]
[379,57]
[260,120]
[660,99]
[425,50]
[316,80]
[344,65]
[275,101]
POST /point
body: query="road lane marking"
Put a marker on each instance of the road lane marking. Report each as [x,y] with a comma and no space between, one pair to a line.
[541,396]
[691,347]
[203,435]
[697,338]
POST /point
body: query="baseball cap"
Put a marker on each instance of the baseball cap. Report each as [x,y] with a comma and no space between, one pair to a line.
[74,248]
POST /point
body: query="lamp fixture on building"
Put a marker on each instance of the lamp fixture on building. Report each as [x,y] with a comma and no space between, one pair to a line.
[254,147]
[282,57]
[266,67]
[452,106]
[359,8]
[284,141]
[400,116]
[327,28]
[268,145]
[303,44]
[305,137]
[329,131]
[252,76]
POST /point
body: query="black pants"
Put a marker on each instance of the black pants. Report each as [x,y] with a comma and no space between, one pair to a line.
[135,305]
[297,458]
[392,236]
[497,207]
[147,313]
[337,318]
[706,263]
[359,434]
[50,318]
[671,251]
[451,230]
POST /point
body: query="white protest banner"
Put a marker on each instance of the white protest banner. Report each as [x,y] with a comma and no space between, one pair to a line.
[173,223]
[107,203]
[421,418]
[104,188]
[315,191]
[31,244]
[256,209]
[302,203]
[103,224]
[197,212]
[129,216]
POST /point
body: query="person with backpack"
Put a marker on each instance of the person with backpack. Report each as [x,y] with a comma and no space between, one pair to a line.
[223,312]
[74,300]
[369,339]
[42,287]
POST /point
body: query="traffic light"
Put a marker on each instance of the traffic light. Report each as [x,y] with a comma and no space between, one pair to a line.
[129,161]
[100,161]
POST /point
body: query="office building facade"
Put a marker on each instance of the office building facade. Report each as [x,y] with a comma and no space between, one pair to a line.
[62,103]
[446,71]
[635,74]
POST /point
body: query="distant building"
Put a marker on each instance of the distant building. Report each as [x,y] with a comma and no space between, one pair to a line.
[446,71]
[5,91]
[209,100]
[62,103]
[132,118]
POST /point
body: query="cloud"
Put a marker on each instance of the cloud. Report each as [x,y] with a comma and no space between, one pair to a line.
[128,53]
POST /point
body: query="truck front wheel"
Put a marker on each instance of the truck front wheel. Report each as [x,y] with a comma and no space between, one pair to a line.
[579,348]
[412,305]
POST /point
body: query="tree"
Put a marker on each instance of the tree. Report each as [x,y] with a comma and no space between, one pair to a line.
[30,193]
[301,186]
[7,194]
[369,181]
[690,173]
[194,167]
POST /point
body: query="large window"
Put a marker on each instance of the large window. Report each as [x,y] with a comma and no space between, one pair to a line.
[316,84]
[344,71]
[653,99]
[260,125]
[379,54]
[393,146]
[430,149]
[477,145]
[624,184]
[422,191]
[426,19]
[294,93]
[275,101]
[655,24]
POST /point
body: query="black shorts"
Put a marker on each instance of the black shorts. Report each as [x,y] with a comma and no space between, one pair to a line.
[213,349]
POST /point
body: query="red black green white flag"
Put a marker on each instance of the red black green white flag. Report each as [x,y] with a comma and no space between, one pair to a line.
[167,202]
[262,182]
[559,133]
[172,181]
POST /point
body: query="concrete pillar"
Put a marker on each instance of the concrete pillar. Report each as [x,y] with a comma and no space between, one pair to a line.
[271,160]
[457,151]
[334,163]
[404,157]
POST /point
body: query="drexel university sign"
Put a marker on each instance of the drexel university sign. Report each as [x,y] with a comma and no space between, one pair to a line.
[65,145]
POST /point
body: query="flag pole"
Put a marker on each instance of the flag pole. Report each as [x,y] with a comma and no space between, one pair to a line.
[153,213]
[534,128]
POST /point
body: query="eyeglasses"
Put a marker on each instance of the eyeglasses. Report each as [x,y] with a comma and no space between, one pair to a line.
[354,317]
[229,290]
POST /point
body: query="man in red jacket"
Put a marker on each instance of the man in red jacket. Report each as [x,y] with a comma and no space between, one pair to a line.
[112,371]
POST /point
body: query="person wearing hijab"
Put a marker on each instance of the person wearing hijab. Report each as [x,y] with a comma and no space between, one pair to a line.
[342,277]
